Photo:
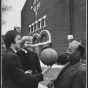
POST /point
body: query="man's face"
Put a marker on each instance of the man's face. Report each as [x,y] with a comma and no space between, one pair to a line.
[72,52]
[17,42]
[27,46]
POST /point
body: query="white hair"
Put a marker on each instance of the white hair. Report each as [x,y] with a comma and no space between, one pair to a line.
[26,38]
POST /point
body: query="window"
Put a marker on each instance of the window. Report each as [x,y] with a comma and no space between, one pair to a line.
[34,27]
[38,24]
[44,20]
[29,29]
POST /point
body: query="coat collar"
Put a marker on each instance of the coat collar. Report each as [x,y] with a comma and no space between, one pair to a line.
[9,49]
[24,50]
[70,69]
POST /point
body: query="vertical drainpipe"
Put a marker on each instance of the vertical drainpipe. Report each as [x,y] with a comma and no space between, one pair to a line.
[71,16]
[70,36]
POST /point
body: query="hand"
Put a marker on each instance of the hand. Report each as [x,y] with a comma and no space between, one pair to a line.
[51,84]
[28,71]
[46,70]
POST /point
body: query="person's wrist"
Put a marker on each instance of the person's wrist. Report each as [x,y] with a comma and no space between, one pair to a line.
[43,73]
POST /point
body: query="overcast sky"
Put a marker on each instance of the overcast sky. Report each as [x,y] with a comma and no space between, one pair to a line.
[13,17]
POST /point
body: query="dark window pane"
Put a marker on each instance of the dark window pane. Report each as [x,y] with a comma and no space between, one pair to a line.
[29,30]
[34,27]
[39,24]
[43,22]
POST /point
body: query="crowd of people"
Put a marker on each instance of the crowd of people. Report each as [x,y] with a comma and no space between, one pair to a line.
[21,66]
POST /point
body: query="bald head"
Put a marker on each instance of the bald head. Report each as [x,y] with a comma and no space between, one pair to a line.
[77,46]
[75,51]
[75,43]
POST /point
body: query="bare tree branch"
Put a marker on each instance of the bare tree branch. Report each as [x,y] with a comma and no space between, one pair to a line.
[5,9]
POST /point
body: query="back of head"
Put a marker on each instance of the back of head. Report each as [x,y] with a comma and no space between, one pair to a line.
[26,38]
[81,49]
[10,38]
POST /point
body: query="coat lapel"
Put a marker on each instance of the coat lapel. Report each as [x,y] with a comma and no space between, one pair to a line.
[61,70]
[70,69]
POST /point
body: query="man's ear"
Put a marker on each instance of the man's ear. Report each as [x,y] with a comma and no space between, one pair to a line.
[13,42]
[78,53]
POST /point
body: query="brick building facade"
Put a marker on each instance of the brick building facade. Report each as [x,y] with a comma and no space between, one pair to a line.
[61,17]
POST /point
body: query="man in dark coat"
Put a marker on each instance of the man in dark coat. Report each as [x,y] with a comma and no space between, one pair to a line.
[13,75]
[73,75]
[29,59]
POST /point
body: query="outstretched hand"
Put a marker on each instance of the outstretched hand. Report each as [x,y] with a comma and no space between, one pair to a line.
[51,84]
[28,71]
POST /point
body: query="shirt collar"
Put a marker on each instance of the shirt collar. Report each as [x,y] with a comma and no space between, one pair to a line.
[24,50]
[14,50]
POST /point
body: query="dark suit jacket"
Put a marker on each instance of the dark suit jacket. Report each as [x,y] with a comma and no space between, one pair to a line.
[13,75]
[30,61]
[73,77]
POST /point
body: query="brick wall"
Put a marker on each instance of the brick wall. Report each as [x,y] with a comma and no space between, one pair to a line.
[57,21]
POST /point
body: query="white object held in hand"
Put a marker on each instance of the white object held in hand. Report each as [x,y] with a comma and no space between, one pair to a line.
[28,71]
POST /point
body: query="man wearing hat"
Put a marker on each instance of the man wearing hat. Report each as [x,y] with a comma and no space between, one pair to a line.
[73,75]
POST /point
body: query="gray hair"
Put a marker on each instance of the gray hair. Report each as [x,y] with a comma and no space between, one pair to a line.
[26,38]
